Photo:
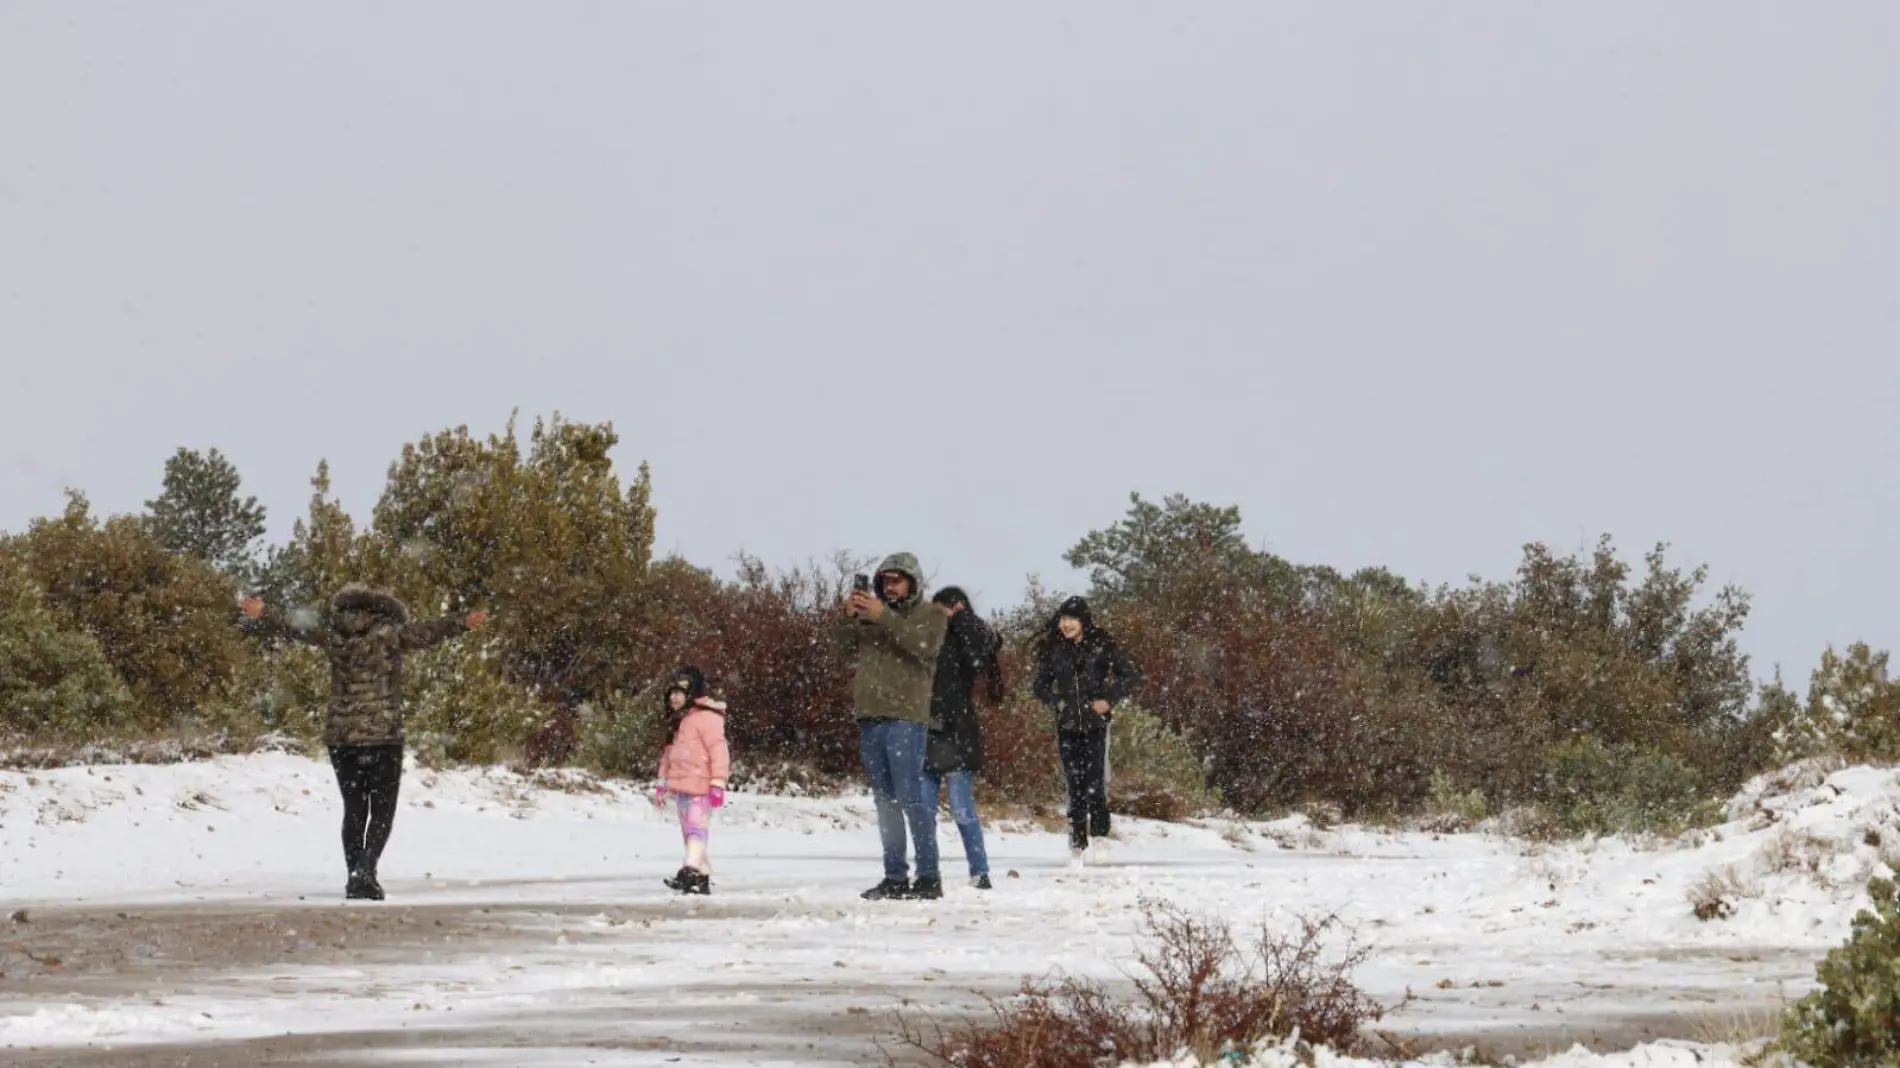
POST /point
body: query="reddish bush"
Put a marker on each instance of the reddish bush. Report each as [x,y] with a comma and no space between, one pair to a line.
[1201,992]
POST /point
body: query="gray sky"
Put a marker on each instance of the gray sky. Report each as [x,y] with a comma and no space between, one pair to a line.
[1413,283]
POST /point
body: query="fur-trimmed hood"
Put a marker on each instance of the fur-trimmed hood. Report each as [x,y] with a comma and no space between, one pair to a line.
[358,601]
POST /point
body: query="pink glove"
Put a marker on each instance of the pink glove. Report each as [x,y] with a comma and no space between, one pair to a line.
[717,795]
[659,796]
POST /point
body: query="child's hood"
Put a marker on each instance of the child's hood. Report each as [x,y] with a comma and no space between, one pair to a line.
[708,704]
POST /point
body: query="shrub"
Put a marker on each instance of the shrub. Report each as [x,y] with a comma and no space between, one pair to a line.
[165,623]
[1713,896]
[462,710]
[54,683]
[1853,708]
[1454,809]
[620,736]
[1790,851]
[1622,789]
[1200,992]
[1019,750]
[1157,774]
[289,686]
[1848,1021]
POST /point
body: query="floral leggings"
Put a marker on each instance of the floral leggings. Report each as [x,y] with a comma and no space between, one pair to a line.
[695,823]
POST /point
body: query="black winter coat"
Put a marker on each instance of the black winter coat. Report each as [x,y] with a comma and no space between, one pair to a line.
[968,653]
[1071,676]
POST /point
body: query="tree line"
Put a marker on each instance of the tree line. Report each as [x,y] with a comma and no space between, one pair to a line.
[1602,694]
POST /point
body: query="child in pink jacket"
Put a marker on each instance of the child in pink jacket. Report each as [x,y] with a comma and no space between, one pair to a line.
[693,768]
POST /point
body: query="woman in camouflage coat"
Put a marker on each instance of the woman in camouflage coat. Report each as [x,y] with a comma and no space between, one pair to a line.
[366,636]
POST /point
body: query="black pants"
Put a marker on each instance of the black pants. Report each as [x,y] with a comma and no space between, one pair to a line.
[369,776]
[1085,766]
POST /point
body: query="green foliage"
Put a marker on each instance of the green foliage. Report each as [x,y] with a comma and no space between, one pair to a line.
[621,736]
[54,683]
[1305,684]
[1594,788]
[552,540]
[1853,709]
[1157,773]
[1187,556]
[164,622]
[1848,1020]
[463,710]
[287,688]
[200,514]
[1467,807]
[324,552]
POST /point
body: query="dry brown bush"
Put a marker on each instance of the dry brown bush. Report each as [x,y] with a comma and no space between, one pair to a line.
[1199,990]
[1713,896]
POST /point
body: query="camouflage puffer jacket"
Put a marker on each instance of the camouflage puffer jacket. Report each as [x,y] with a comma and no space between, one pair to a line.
[367,634]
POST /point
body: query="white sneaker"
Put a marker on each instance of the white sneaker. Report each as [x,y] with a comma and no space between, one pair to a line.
[1077,858]
[1098,852]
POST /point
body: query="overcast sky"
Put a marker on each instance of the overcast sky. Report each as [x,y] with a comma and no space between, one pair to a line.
[1411,283]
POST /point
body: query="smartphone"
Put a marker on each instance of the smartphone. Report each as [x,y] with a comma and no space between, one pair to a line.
[861,583]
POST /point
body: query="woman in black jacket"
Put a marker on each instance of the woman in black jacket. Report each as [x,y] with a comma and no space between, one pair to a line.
[955,753]
[1081,675]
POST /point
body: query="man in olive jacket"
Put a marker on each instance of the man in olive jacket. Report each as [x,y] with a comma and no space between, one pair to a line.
[894,637]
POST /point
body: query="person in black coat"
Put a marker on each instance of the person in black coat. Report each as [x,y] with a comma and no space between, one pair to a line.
[955,752]
[1081,675]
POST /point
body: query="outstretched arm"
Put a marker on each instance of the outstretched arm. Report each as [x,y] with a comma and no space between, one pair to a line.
[267,620]
[418,636]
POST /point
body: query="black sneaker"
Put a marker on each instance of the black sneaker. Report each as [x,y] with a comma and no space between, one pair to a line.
[926,889]
[699,884]
[888,890]
[980,882]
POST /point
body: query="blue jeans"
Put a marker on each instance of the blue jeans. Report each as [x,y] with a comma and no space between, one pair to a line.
[962,809]
[893,755]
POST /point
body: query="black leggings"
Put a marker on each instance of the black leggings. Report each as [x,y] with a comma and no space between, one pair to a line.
[370,777]
[1085,766]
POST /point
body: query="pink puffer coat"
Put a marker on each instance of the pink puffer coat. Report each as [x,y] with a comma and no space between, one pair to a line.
[697,760]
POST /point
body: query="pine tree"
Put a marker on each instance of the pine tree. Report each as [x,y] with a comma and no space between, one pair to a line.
[553,539]
[324,552]
[200,513]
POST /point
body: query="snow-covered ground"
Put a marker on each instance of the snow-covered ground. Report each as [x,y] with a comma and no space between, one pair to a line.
[185,905]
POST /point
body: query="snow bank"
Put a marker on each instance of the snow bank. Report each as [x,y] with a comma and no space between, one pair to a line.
[1497,938]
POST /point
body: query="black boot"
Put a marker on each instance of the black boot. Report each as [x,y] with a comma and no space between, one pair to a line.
[682,880]
[981,882]
[362,887]
[699,883]
[927,889]
[888,890]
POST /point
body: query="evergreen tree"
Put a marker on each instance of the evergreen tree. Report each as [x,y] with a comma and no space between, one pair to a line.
[324,552]
[553,539]
[201,514]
